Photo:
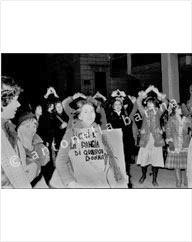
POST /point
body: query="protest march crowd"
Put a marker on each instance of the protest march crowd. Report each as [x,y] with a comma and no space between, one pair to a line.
[92,141]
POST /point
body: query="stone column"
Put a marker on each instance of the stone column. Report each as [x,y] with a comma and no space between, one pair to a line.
[170,76]
[129,64]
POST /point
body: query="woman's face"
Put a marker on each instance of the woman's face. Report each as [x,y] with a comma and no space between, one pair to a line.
[28,128]
[50,107]
[178,110]
[150,105]
[10,110]
[38,110]
[87,114]
[117,106]
[59,108]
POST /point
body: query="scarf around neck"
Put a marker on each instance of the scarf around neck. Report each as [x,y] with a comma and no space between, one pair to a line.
[9,129]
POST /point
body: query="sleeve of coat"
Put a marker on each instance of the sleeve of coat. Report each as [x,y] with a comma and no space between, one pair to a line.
[66,106]
[103,119]
[185,110]
[63,162]
[168,130]
[140,106]
[133,112]
[12,165]
[163,106]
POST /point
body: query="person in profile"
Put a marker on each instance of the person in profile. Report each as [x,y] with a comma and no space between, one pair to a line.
[13,171]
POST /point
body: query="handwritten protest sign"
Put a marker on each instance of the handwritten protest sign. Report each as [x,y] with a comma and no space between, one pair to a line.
[90,160]
[89,157]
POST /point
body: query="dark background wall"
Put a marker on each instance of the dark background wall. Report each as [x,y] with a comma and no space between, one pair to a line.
[69,73]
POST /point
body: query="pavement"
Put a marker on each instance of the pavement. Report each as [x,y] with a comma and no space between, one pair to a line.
[165,179]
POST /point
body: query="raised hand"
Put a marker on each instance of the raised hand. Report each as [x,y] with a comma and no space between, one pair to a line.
[142,94]
[155,90]
[51,90]
[63,126]
[78,94]
[54,92]
[132,98]
[149,89]
[98,94]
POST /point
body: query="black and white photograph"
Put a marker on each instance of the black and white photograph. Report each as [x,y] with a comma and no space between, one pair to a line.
[96,120]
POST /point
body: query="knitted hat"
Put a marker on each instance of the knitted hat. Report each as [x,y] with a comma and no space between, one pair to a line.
[24,117]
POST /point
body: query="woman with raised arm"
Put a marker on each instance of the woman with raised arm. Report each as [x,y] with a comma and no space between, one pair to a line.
[85,159]
[178,133]
[151,141]
[69,108]
[101,109]
[118,117]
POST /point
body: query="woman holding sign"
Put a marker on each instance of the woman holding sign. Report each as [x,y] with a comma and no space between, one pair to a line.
[85,159]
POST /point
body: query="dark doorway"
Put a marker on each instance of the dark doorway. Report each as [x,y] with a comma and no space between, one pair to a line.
[185,82]
[100,83]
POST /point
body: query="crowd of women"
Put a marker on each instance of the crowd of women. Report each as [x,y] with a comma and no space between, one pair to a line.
[71,137]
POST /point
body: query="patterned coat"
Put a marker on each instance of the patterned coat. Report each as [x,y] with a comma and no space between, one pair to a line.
[178,131]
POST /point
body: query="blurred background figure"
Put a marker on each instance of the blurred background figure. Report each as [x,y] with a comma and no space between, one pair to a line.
[38,112]
[61,120]
[187,108]
[47,133]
